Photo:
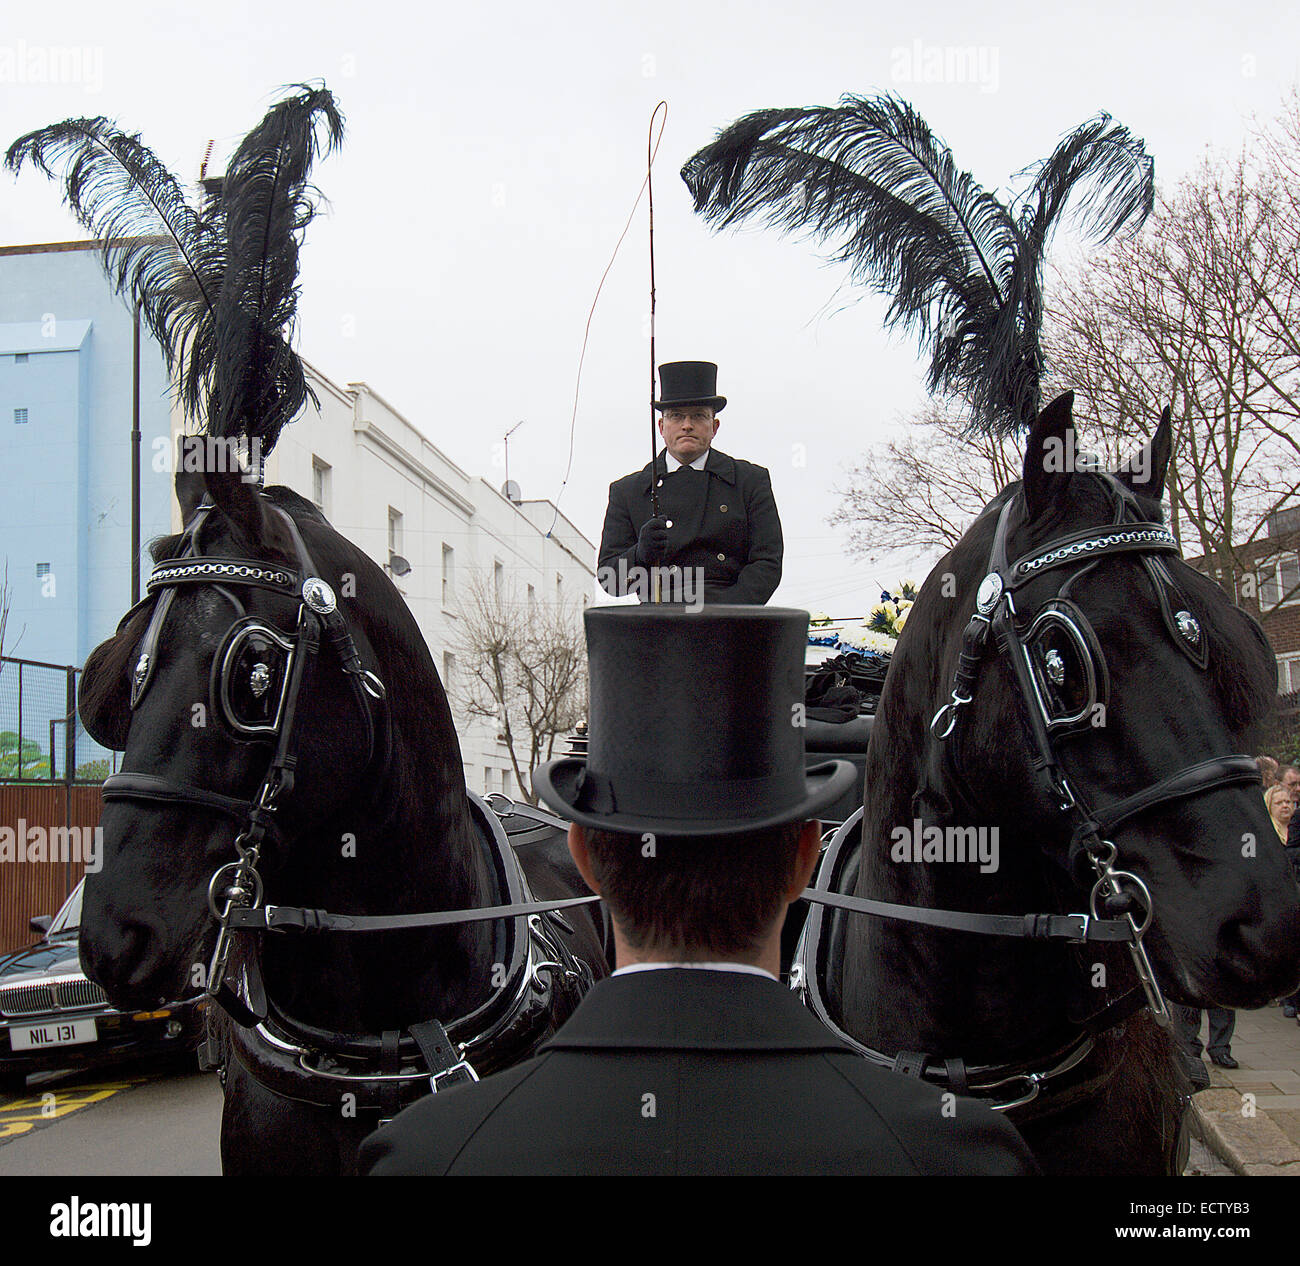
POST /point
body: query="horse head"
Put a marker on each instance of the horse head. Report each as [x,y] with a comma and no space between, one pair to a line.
[1111,699]
[252,712]
[1070,691]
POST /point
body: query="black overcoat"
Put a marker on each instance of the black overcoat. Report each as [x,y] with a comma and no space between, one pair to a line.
[724,521]
[679,1071]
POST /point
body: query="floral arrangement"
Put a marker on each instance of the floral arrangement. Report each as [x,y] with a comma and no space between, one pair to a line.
[877,635]
[890,614]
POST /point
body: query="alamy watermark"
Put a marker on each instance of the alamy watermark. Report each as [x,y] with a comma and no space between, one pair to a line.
[211,454]
[655,584]
[921,63]
[83,845]
[1062,456]
[920,843]
[98,1219]
[25,63]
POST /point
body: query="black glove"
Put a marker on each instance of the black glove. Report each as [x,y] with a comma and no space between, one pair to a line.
[652,542]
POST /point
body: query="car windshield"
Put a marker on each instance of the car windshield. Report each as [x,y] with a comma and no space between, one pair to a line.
[68,918]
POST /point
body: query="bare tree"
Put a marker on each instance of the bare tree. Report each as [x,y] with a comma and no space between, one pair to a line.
[1201,313]
[923,490]
[524,667]
[6,600]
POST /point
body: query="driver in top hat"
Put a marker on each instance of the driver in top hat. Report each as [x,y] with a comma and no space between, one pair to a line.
[717,517]
[694,816]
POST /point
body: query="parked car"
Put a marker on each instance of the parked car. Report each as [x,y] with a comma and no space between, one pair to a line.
[52,1016]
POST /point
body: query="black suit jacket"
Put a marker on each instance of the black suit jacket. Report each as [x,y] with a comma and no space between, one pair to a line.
[724,521]
[680,1071]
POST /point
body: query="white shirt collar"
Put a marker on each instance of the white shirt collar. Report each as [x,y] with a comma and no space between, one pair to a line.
[674,464]
[740,967]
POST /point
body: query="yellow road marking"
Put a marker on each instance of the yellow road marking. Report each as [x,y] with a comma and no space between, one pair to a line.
[18,1116]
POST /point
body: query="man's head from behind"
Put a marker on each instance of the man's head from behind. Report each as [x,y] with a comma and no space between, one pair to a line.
[698,814]
[699,898]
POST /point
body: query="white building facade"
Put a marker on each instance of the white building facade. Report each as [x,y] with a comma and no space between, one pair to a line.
[389,490]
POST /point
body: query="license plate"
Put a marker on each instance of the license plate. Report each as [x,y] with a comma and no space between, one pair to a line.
[36,1037]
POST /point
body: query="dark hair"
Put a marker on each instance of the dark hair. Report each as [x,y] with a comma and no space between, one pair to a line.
[717,892]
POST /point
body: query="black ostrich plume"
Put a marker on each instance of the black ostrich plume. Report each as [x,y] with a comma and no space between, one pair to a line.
[870,180]
[217,284]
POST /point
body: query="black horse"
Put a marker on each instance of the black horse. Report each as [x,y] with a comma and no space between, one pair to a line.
[1106,694]
[315,729]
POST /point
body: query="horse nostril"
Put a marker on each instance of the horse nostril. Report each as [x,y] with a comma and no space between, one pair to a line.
[124,955]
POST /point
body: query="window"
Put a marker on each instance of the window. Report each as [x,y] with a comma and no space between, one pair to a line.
[532,600]
[42,570]
[1288,674]
[448,574]
[559,591]
[498,581]
[20,358]
[394,531]
[20,417]
[448,672]
[320,484]
[1279,582]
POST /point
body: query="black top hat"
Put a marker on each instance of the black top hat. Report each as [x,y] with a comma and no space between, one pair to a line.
[684,382]
[695,725]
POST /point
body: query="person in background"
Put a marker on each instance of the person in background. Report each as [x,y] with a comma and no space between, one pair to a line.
[724,522]
[1281,810]
[1289,777]
[1282,813]
[1267,770]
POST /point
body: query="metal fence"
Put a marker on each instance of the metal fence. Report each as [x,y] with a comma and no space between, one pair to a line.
[42,739]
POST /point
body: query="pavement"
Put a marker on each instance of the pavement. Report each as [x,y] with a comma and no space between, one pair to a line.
[1249,1118]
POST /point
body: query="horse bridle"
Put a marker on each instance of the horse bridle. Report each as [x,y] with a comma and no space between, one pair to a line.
[235,889]
[1040,652]
[274,688]
[1041,649]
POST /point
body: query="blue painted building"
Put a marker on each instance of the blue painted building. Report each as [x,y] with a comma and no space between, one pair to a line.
[65,449]
[65,483]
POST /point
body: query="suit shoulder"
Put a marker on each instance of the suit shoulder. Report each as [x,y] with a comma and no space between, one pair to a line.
[427,1137]
[751,471]
[943,1133]
[628,482]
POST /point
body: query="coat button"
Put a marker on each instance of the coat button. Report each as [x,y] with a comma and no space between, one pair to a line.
[722,558]
[660,484]
[723,509]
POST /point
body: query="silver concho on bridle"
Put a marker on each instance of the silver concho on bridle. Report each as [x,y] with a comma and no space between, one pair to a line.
[318,595]
[989,594]
[259,680]
[1189,627]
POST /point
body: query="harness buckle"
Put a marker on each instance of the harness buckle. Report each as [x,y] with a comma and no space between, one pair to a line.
[1085,921]
[460,1071]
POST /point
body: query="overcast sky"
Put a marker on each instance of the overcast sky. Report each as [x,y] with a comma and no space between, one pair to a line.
[494,152]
